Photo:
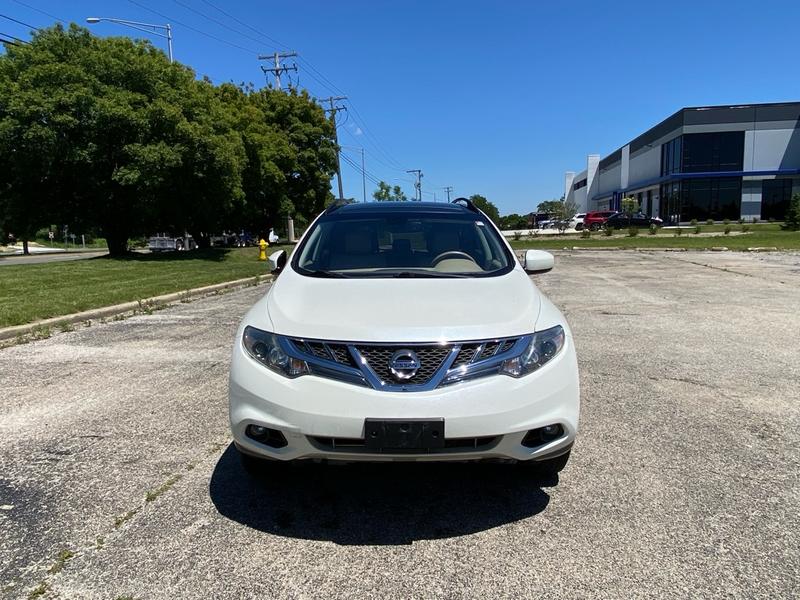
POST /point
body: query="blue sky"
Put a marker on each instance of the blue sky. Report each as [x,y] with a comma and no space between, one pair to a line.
[494,98]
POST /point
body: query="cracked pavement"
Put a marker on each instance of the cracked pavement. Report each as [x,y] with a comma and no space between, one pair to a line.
[114,446]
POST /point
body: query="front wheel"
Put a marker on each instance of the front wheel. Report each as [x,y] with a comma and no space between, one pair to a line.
[579,227]
[595,227]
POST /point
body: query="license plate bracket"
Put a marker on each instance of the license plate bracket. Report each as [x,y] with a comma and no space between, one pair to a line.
[404,434]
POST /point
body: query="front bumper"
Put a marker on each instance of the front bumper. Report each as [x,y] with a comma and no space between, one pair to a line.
[484,418]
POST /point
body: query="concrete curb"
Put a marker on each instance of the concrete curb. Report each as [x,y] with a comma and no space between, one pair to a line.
[118,309]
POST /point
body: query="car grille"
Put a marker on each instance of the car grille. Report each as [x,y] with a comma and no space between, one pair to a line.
[358,445]
[368,364]
[430,358]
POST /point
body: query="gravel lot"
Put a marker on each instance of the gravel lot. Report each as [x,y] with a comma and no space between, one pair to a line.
[684,481]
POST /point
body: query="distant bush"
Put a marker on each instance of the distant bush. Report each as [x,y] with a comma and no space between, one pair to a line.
[727,229]
[608,231]
[745,228]
[693,222]
[755,220]
[697,229]
[710,222]
[517,235]
[633,231]
[586,234]
[740,221]
[653,229]
[678,231]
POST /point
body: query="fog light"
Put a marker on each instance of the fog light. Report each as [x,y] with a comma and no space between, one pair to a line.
[542,435]
[256,431]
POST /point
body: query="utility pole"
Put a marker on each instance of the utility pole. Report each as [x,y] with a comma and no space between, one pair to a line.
[278,68]
[418,184]
[332,100]
[363,176]
[448,189]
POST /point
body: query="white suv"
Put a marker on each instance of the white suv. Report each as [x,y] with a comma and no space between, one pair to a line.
[405,331]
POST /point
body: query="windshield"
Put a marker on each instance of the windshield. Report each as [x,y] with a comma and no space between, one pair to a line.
[403,244]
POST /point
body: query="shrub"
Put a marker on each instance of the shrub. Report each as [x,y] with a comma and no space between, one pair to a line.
[608,231]
[755,220]
[678,231]
[727,229]
[586,234]
[697,229]
[517,235]
[693,222]
[633,231]
[792,220]
[740,221]
[745,228]
[653,229]
[710,222]
[726,222]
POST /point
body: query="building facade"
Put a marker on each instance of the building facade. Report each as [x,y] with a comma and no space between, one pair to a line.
[715,162]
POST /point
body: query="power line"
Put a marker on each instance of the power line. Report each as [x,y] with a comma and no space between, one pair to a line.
[250,27]
[20,22]
[39,10]
[9,41]
[217,21]
[195,29]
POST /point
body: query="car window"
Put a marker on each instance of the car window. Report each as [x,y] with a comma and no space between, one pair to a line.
[407,242]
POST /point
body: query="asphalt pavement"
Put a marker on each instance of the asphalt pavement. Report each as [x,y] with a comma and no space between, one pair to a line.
[117,477]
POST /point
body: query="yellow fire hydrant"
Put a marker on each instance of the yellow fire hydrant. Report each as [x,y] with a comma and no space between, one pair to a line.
[262,249]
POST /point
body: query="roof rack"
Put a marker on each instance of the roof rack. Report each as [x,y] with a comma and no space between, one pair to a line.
[336,205]
[468,203]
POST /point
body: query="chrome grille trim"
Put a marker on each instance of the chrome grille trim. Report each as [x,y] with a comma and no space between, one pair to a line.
[366,363]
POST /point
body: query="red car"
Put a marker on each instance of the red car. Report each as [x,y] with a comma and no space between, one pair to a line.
[595,220]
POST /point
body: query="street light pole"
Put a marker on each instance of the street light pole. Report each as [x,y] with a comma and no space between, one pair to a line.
[141,27]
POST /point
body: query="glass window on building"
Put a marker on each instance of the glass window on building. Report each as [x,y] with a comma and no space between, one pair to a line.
[716,198]
[671,156]
[776,194]
[713,152]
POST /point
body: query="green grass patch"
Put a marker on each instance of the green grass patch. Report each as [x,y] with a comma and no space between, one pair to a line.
[39,291]
[783,240]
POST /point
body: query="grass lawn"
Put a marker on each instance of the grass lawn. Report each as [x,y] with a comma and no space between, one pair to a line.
[769,236]
[39,291]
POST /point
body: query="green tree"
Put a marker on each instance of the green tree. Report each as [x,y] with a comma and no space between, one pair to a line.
[487,207]
[513,221]
[550,206]
[386,193]
[106,132]
[792,219]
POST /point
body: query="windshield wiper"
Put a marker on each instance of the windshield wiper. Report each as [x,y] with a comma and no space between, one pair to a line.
[329,274]
[428,274]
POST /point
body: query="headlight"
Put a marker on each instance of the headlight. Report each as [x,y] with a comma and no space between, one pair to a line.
[264,347]
[543,347]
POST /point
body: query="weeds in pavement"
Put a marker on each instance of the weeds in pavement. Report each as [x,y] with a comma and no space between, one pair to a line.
[38,591]
[61,560]
[163,488]
[65,326]
[120,520]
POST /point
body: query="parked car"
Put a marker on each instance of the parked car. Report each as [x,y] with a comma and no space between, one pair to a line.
[596,219]
[622,220]
[576,222]
[404,331]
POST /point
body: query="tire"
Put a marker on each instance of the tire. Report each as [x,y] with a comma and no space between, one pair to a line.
[578,226]
[595,226]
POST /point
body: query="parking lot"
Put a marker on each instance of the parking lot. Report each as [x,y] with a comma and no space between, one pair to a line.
[118,479]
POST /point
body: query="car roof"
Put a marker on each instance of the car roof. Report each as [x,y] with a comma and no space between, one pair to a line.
[382,208]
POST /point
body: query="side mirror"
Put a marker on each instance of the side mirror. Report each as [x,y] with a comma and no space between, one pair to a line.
[538,261]
[277,260]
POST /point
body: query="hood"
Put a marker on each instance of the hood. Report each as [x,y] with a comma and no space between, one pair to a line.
[403,310]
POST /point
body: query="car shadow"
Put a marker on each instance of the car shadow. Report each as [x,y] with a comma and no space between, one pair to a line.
[375,503]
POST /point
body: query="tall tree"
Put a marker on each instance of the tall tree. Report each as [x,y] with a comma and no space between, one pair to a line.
[386,193]
[487,207]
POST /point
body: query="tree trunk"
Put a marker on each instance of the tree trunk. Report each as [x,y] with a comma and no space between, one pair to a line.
[25,250]
[117,243]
